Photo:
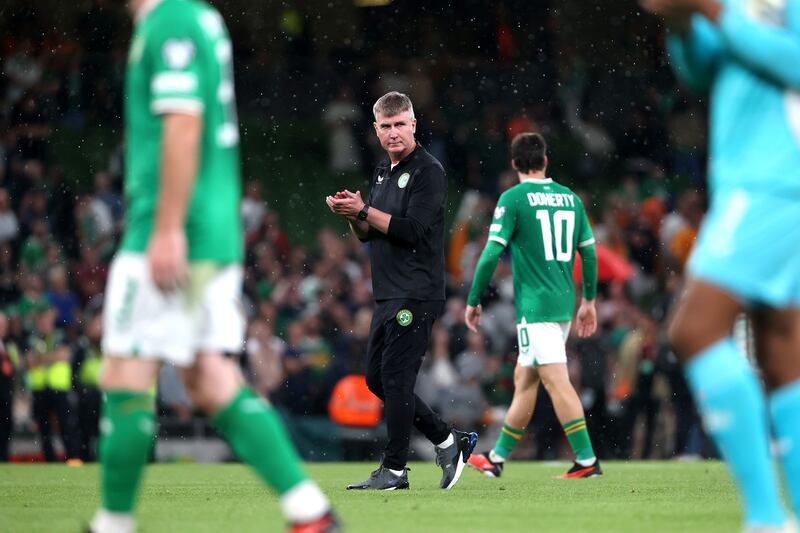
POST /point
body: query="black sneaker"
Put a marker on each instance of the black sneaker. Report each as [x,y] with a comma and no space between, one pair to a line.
[328,523]
[453,458]
[482,463]
[382,479]
[579,471]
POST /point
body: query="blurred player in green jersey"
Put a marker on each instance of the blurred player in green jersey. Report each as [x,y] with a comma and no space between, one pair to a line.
[174,286]
[544,224]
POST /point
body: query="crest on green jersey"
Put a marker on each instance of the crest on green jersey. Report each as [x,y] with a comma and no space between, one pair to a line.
[178,53]
[404,317]
[402,181]
[499,212]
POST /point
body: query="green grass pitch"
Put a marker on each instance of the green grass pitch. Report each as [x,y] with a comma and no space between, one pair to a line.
[646,497]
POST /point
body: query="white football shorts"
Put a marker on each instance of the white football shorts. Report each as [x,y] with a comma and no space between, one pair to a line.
[140,321]
[542,343]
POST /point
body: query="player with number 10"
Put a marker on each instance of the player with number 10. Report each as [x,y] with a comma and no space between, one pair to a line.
[544,224]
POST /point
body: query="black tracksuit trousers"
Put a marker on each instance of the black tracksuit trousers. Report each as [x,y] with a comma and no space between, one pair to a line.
[399,337]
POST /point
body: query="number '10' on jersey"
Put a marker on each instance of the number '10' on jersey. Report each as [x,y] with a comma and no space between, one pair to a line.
[544,224]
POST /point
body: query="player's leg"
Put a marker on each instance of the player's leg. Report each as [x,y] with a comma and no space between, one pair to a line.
[252,426]
[127,429]
[568,408]
[256,433]
[777,334]
[140,325]
[526,387]
[728,394]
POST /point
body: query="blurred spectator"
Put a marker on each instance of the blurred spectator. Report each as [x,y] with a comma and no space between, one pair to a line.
[341,116]
[8,363]
[33,207]
[452,320]
[296,395]
[31,299]
[9,226]
[90,275]
[465,403]
[9,272]
[317,352]
[264,351]
[61,297]
[110,199]
[421,89]
[354,344]
[253,210]
[61,209]
[437,374]
[30,129]
[32,252]
[23,69]
[95,225]
[681,228]
[87,361]
[50,377]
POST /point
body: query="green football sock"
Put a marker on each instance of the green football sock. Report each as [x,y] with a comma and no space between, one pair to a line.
[255,432]
[127,427]
[509,437]
[578,437]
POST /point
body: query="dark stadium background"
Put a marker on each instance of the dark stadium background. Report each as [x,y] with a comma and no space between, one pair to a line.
[590,75]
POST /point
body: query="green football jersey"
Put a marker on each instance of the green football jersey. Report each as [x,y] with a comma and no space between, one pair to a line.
[544,223]
[180,61]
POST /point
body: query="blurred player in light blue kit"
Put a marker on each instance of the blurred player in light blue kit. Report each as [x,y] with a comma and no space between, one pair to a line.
[747,54]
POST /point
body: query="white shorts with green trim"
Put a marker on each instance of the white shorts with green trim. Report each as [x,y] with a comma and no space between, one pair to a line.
[542,343]
[140,321]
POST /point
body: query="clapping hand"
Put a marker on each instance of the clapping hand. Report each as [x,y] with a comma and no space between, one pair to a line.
[345,203]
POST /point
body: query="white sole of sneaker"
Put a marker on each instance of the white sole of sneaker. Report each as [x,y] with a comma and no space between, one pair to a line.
[459,470]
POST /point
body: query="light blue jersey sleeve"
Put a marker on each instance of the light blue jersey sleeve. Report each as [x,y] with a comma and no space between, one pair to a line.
[769,50]
[694,55]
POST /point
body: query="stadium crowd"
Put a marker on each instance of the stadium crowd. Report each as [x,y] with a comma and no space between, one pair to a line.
[309,303]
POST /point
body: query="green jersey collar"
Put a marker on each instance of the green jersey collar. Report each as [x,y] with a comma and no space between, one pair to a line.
[538,181]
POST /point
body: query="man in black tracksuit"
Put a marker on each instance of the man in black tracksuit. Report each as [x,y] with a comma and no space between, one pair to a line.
[403,220]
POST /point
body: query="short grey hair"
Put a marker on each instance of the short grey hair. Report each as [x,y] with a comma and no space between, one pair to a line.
[392,103]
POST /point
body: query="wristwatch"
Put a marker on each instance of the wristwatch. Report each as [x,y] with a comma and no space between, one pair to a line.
[362,215]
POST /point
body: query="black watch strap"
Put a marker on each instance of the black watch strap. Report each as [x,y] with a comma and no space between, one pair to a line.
[362,215]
